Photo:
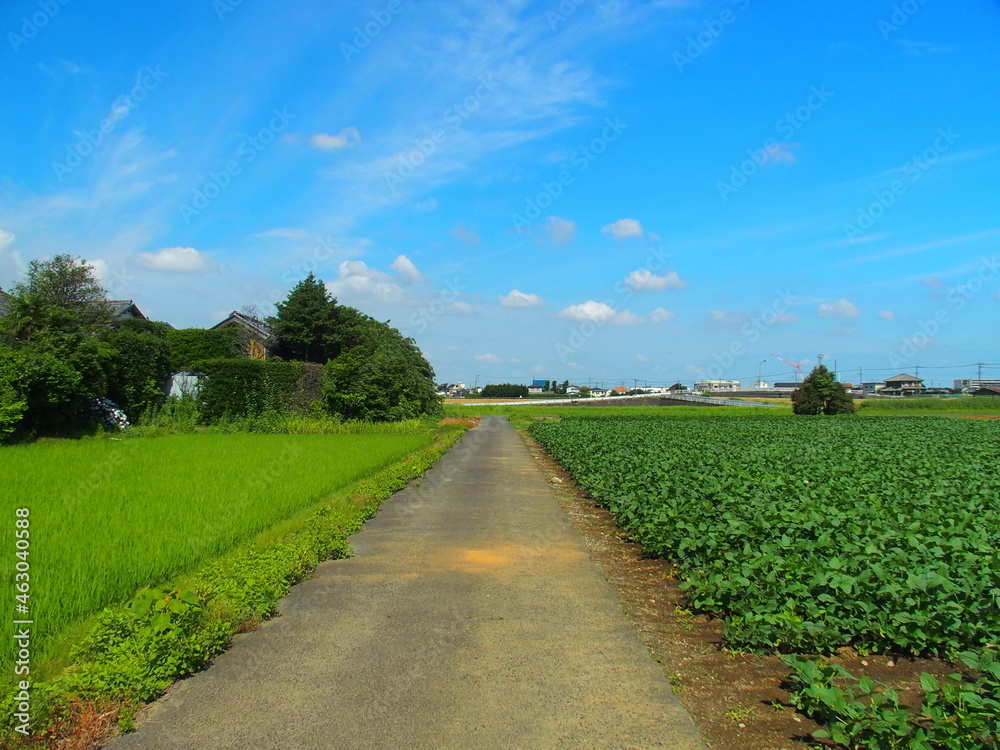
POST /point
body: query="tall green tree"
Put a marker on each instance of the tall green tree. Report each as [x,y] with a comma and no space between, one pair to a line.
[305,327]
[820,393]
[69,283]
[384,377]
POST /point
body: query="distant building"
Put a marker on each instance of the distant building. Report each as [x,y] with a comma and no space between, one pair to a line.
[717,385]
[972,384]
[534,389]
[903,385]
[786,386]
[257,332]
[986,392]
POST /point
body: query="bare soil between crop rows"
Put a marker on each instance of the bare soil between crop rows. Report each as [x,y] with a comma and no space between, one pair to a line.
[736,700]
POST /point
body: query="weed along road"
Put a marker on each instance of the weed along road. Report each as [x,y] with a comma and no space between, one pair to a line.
[469,617]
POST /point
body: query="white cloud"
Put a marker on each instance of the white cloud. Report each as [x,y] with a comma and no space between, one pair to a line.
[841,308]
[459,308]
[600,312]
[487,358]
[178,259]
[887,315]
[729,317]
[6,239]
[661,315]
[464,235]
[538,368]
[642,358]
[647,281]
[560,230]
[932,282]
[623,228]
[405,268]
[346,138]
[357,281]
[518,298]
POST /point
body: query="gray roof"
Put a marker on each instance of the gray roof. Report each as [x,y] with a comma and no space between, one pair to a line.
[238,318]
[904,376]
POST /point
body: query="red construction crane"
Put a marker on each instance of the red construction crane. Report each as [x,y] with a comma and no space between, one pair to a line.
[796,367]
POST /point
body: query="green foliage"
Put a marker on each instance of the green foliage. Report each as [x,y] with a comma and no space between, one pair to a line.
[237,388]
[141,366]
[505,390]
[12,402]
[383,377]
[961,404]
[808,535]
[305,327]
[68,283]
[957,711]
[138,325]
[820,393]
[188,346]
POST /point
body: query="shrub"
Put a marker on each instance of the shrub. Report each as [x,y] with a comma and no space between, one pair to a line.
[820,393]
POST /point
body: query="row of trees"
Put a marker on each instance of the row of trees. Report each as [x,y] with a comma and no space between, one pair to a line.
[60,350]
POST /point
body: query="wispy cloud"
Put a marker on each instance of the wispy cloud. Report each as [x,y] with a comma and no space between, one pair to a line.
[623,228]
[346,138]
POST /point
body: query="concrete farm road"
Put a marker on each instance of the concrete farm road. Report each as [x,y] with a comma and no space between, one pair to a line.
[469,617]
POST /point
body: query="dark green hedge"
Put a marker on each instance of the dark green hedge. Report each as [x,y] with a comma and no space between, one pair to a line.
[247,387]
[189,346]
[504,390]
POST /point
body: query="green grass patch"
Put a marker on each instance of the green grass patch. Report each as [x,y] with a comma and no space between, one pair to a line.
[109,517]
[958,405]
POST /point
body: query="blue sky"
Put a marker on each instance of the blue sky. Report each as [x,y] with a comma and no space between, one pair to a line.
[577,190]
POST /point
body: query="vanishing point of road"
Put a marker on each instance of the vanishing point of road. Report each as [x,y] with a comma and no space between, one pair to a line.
[470,616]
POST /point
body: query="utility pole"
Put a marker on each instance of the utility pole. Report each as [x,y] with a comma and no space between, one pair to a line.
[477,382]
[979,377]
[758,372]
[835,375]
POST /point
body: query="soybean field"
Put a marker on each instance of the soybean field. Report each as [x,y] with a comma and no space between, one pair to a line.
[808,534]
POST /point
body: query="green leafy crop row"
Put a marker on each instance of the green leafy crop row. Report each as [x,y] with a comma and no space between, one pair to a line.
[810,534]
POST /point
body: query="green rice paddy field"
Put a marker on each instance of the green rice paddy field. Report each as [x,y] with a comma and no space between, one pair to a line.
[108,517]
